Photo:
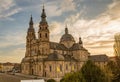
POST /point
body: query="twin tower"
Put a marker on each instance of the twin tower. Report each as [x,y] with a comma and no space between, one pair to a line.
[43,33]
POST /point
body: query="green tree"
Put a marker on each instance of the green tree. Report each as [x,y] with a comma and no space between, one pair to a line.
[73,77]
[92,73]
[114,66]
[51,80]
[108,73]
[117,76]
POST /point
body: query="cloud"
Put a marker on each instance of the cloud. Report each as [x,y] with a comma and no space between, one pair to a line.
[56,30]
[98,32]
[67,5]
[7,9]
[13,39]
[14,56]
[114,9]
[57,8]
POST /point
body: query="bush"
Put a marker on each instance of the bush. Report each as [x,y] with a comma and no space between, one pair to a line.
[51,80]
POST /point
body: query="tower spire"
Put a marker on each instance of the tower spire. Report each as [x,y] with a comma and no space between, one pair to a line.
[66,30]
[31,20]
[43,5]
[43,15]
[80,41]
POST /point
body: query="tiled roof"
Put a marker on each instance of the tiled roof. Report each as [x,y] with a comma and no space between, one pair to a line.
[77,46]
[59,57]
[57,46]
[99,58]
[55,56]
[8,64]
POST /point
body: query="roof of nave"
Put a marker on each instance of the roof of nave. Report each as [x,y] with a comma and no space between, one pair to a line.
[32,60]
[99,58]
[58,46]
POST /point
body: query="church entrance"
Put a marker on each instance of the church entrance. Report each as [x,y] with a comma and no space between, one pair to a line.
[32,72]
[45,74]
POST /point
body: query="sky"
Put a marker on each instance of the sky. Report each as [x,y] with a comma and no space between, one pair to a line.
[95,21]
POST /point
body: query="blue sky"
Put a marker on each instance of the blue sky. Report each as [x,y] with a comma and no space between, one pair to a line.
[96,21]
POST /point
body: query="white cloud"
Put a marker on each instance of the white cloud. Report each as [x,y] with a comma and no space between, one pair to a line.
[5,4]
[96,33]
[67,5]
[7,9]
[13,39]
[57,8]
[14,56]
[114,9]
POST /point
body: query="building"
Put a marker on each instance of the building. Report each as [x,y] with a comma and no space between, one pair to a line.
[17,68]
[7,67]
[50,59]
[99,60]
[113,58]
[1,67]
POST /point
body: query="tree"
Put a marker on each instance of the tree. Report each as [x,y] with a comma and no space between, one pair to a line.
[108,73]
[73,77]
[51,80]
[117,44]
[92,73]
[117,76]
[114,67]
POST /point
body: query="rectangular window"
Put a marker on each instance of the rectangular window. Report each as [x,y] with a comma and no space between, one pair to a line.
[50,67]
[46,35]
[66,67]
[60,67]
[40,35]
[40,67]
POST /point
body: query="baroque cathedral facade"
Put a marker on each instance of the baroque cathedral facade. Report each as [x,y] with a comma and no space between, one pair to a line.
[50,59]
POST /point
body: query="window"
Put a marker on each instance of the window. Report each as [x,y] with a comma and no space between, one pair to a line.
[50,67]
[40,68]
[46,35]
[40,35]
[66,67]
[74,66]
[60,67]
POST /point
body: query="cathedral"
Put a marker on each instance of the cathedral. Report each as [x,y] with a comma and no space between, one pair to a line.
[48,59]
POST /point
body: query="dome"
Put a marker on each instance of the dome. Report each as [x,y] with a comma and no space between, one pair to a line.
[67,36]
[55,56]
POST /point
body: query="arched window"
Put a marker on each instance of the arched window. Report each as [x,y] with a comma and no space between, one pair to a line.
[60,67]
[46,35]
[40,35]
[66,66]
[40,67]
[50,67]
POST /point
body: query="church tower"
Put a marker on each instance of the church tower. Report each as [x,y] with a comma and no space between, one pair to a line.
[43,34]
[30,36]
